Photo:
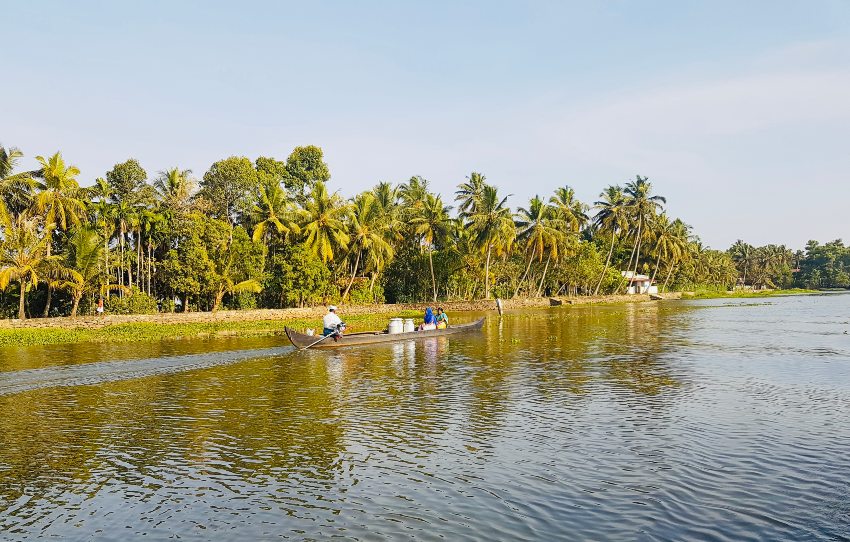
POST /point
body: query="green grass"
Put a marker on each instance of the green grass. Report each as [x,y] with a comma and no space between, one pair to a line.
[716,294]
[149,331]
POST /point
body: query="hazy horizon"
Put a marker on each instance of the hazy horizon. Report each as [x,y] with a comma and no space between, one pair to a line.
[738,114]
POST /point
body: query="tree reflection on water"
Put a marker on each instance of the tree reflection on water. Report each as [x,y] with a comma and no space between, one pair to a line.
[300,425]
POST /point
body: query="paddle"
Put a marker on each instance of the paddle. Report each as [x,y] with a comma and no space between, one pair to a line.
[334,334]
[339,328]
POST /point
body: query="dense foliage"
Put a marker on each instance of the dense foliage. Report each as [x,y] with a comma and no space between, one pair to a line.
[270,233]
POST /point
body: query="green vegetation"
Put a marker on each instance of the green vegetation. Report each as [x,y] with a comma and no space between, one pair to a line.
[151,331]
[715,294]
[272,233]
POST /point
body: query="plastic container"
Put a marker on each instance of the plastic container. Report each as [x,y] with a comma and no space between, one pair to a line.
[395,326]
[409,325]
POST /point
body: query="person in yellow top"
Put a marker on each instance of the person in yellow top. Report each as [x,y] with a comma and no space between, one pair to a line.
[442,319]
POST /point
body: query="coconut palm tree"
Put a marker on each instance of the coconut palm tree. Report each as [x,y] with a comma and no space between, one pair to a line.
[58,276]
[59,196]
[153,224]
[743,255]
[469,193]
[432,223]
[227,281]
[539,231]
[493,228]
[568,209]
[174,188]
[681,236]
[324,223]
[664,237]
[273,211]
[367,234]
[15,188]
[84,254]
[642,209]
[387,197]
[22,255]
[610,217]
[412,195]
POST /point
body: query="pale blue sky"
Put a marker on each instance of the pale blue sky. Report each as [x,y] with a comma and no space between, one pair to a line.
[739,112]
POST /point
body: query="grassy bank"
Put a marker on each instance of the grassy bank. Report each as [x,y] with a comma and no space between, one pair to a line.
[260,322]
[154,331]
[717,294]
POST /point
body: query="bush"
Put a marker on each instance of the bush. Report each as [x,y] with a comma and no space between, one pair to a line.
[136,302]
[360,294]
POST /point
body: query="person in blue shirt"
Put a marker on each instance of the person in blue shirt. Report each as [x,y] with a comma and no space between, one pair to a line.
[430,321]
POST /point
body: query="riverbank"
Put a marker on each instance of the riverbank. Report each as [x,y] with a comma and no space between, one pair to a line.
[711,294]
[169,326]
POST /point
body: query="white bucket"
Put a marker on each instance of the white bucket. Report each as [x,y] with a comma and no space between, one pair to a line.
[409,325]
[395,326]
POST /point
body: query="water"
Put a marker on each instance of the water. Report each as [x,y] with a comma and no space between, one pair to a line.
[704,420]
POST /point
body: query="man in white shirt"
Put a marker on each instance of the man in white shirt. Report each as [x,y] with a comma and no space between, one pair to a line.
[332,323]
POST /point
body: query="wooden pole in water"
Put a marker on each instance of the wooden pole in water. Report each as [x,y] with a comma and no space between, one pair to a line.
[499,306]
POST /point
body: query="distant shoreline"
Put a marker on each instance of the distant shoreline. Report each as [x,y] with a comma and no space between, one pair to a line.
[259,322]
[269,322]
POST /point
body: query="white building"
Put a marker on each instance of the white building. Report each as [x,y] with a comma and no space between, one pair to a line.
[639,284]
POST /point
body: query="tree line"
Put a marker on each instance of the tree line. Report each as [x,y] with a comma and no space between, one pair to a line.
[270,233]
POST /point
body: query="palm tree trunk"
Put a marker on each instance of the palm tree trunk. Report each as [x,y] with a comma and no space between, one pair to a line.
[607,263]
[657,265]
[637,256]
[121,266]
[487,273]
[433,277]
[218,297]
[47,303]
[150,266]
[524,275]
[669,272]
[353,274]
[106,261]
[543,278]
[186,303]
[22,315]
[631,257]
[76,305]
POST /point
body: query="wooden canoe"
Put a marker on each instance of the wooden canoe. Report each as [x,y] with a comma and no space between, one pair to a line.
[300,340]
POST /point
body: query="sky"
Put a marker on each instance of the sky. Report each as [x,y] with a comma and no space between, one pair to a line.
[738,112]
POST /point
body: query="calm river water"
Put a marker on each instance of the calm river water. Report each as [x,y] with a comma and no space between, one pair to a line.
[700,420]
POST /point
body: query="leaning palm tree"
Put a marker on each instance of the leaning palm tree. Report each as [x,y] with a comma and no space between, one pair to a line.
[15,188]
[432,224]
[610,217]
[642,209]
[493,228]
[274,212]
[540,232]
[22,255]
[324,223]
[59,197]
[368,234]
